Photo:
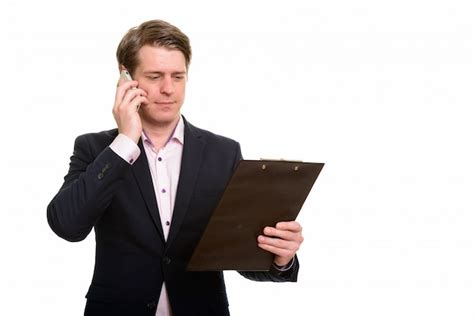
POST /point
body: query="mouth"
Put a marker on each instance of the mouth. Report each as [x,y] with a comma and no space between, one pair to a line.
[165,102]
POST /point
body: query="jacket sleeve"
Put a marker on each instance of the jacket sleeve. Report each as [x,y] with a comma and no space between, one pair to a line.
[88,189]
[273,275]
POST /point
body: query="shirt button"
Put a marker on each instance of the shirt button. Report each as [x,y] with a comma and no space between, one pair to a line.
[159,159]
[167,223]
[163,191]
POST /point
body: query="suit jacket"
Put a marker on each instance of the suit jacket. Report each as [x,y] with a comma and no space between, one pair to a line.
[104,192]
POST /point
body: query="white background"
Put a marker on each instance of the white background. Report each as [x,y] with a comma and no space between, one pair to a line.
[378,90]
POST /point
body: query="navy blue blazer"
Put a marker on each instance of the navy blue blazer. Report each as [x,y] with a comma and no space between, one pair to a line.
[104,192]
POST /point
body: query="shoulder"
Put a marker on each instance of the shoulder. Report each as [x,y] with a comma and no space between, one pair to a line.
[219,150]
[96,141]
[209,137]
[97,136]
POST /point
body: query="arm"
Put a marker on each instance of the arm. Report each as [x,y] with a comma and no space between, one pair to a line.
[283,241]
[274,274]
[95,170]
[88,189]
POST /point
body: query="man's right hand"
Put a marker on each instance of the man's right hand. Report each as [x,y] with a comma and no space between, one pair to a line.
[128,98]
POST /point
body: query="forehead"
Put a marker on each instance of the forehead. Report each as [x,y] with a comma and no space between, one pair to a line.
[153,58]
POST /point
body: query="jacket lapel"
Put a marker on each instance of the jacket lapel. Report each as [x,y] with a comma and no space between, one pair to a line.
[141,171]
[190,164]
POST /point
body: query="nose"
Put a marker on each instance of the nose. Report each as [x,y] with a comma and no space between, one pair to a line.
[167,86]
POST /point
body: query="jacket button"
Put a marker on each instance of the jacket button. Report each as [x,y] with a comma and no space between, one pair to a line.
[100,176]
[107,167]
[151,305]
[166,260]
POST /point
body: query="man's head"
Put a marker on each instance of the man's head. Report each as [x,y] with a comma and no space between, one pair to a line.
[157,55]
[155,33]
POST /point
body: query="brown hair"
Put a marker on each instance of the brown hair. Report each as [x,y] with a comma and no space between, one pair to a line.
[157,33]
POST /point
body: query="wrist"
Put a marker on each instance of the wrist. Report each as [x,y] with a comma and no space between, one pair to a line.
[132,135]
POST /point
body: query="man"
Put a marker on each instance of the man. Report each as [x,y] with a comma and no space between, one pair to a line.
[148,188]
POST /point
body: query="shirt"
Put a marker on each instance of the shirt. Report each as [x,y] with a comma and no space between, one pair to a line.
[164,164]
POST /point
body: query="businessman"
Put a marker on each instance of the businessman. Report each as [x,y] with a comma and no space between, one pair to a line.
[148,189]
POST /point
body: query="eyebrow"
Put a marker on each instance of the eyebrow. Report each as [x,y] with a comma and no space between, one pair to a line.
[161,72]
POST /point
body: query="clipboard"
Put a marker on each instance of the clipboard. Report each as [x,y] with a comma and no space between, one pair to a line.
[260,193]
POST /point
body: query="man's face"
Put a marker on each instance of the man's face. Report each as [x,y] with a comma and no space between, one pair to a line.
[161,72]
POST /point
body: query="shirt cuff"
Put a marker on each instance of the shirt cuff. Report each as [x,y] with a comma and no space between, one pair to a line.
[286,267]
[126,148]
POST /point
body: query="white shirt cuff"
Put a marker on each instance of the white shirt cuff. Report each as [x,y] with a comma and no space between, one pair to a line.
[286,267]
[125,148]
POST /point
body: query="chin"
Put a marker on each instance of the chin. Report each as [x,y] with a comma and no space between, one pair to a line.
[162,118]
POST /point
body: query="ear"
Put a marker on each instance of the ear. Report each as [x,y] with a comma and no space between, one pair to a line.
[122,68]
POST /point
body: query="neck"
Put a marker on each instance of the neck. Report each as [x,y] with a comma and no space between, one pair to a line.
[159,133]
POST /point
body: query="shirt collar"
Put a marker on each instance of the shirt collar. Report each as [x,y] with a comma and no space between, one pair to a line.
[177,134]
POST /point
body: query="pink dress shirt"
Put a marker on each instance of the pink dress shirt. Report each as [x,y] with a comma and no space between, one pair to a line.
[164,164]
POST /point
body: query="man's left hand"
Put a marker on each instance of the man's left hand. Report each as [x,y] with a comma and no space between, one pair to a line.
[283,240]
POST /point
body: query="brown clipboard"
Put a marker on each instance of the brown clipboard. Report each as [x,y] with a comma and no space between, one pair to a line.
[260,193]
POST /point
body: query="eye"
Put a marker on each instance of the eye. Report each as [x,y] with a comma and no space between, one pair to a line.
[154,77]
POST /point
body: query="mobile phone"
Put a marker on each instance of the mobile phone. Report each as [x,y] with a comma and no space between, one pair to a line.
[125,74]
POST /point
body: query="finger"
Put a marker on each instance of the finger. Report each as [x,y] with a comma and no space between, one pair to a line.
[121,80]
[279,243]
[120,93]
[131,97]
[122,89]
[126,109]
[124,85]
[132,93]
[135,104]
[141,101]
[283,234]
[278,251]
[292,226]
